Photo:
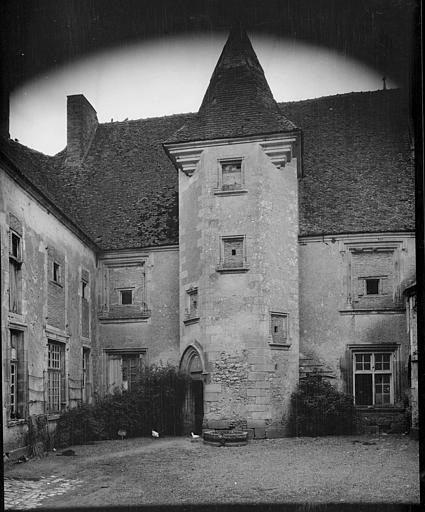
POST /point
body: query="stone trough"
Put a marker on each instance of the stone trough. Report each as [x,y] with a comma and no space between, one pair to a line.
[225,437]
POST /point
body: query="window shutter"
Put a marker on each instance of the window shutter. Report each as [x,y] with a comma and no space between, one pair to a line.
[114,372]
[346,365]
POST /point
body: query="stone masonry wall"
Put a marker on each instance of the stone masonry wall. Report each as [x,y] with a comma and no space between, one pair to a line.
[246,379]
[41,319]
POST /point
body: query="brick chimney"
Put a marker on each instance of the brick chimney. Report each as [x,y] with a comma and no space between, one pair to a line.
[81,127]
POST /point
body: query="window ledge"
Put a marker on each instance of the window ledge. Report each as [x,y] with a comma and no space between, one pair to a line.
[14,423]
[106,316]
[280,346]
[230,192]
[380,408]
[231,270]
[372,311]
[193,320]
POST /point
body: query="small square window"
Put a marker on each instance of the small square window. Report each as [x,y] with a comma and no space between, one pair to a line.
[231,175]
[56,272]
[372,286]
[233,252]
[126,297]
[279,328]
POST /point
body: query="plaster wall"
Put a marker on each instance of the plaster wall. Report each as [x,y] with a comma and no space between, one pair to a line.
[328,324]
[158,332]
[41,231]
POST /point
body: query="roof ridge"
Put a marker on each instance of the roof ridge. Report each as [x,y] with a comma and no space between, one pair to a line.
[352,93]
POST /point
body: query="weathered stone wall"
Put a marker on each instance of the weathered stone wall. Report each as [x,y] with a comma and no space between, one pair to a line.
[329,322]
[246,378]
[40,320]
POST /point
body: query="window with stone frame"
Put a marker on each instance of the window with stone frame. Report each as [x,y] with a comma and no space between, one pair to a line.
[124,293]
[373,378]
[192,303]
[56,377]
[124,368]
[233,252]
[15,272]
[374,277]
[17,376]
[279,328]
[231,174]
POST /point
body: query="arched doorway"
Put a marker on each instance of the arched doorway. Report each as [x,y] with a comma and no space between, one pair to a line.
[191,363]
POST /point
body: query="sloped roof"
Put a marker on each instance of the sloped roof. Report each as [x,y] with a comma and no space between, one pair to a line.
[357,163]
[358,173]
[238,101]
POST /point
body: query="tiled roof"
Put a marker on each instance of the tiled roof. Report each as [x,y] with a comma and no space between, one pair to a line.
[358,174]
[357,163]
[238,100]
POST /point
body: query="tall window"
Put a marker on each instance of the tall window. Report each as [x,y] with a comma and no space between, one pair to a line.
[15,281]
[17,382]
[56,396]
[85,382]
[373,378]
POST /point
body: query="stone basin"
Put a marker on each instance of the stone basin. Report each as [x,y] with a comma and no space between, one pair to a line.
[225,437]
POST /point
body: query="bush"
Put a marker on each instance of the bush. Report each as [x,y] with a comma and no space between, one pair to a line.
[154,402]
[318,409]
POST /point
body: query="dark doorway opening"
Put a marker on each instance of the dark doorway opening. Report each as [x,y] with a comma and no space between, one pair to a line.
[194,403]
[197,392]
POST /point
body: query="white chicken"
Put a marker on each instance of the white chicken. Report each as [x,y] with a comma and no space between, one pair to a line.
[194,436]
[155,434]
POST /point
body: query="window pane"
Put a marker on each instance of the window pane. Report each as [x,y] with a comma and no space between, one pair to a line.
[364,394]
[382,389]
[363,362]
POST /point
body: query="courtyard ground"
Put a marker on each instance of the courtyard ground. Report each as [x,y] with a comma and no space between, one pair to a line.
[350,469]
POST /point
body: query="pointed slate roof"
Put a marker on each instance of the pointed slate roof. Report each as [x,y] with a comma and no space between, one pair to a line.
[238,101]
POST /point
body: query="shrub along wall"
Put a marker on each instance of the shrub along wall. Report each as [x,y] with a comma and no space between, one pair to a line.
[318,409]
[155,402]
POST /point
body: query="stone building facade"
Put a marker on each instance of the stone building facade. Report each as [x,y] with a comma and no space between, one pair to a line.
[250,244]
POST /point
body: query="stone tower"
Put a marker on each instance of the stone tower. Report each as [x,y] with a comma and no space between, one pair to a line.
[238,162]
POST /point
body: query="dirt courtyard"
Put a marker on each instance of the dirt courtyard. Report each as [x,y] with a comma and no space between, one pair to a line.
[363,469]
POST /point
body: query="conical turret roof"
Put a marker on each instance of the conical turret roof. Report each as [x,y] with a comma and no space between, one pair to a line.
[238,101]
